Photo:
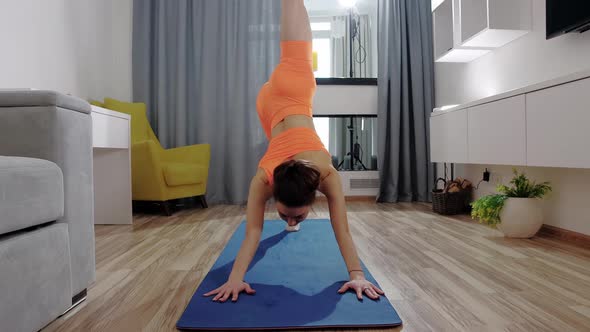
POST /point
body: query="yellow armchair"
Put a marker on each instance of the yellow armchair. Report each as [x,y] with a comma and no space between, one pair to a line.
[160,174]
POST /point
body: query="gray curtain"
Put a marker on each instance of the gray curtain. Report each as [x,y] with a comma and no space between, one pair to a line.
[340,41]
[406,98]
[199,64]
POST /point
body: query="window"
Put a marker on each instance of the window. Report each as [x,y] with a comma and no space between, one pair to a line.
[336,133]
[321,46]
[321,26]
[322,127]
[321,29]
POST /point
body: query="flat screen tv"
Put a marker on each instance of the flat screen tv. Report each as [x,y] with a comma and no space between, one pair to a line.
[565,16]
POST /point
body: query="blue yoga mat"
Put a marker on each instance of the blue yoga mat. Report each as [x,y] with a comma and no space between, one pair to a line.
[296,277]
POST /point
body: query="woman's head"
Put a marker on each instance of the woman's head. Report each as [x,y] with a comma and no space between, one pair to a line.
[295,185]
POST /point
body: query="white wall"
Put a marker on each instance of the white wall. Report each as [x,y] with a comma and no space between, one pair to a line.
[566,207]
[528,60]
[80,47]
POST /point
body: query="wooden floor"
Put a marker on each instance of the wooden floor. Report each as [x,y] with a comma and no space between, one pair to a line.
[441,274]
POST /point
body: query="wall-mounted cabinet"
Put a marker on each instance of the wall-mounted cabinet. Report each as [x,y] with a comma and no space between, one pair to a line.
[544,125]
[447,35]
[494,23]
[497,132]
[558,123]
[465,30]
[442,21]
[448,137]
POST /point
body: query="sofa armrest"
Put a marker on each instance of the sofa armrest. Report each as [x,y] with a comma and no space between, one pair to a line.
[58,128]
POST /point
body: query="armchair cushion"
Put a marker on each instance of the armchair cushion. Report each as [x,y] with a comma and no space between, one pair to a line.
[178,174]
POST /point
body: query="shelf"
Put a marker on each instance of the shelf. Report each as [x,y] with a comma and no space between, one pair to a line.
[492,23]
[465,30]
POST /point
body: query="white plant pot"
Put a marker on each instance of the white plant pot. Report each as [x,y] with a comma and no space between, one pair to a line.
[521,217]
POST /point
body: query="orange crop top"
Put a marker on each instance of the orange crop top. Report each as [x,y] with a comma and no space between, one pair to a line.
[286,145]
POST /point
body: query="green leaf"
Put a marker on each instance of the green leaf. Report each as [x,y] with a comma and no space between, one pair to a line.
[487,209]
[524,188]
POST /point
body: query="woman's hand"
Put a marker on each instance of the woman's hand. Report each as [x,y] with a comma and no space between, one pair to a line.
[230,288]
[361,286]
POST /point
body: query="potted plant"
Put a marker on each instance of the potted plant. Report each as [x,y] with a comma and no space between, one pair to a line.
[516,210]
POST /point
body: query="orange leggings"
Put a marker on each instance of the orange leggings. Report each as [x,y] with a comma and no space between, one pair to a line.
[291,87]
[289,91]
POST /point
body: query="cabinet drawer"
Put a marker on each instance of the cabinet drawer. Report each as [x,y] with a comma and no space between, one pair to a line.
[558,126]
[448,137]
[497,132]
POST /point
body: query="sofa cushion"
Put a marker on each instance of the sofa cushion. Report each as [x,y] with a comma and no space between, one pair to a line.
[31,193]
[35,279]
[178,174]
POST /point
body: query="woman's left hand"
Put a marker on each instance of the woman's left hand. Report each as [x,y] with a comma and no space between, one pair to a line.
[361,286]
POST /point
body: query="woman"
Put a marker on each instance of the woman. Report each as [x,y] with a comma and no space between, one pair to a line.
[296,163]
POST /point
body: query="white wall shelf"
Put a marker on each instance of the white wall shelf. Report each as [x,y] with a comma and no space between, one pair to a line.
[543,125]
[442,21]
[494,23]
[446,20]
[465,30]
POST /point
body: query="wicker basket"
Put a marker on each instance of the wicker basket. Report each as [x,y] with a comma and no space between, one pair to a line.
[447,203]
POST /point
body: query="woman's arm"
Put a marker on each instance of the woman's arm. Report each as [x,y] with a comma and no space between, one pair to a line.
[259,193]
[332,188]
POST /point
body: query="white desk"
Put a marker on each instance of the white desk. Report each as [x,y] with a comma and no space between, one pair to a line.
[111,142]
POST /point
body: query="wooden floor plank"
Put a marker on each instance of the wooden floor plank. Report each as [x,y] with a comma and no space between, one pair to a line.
[441,273]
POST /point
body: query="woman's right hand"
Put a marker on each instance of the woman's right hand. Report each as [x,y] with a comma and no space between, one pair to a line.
[230,288]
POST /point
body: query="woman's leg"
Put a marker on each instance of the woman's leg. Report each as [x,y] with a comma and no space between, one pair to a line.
[295,21]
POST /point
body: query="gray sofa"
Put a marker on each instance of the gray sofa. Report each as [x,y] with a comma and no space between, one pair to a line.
[46,207]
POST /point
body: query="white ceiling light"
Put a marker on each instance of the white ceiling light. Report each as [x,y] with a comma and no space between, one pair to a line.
[348,3]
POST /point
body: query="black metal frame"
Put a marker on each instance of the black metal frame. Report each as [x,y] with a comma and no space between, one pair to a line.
[346,81]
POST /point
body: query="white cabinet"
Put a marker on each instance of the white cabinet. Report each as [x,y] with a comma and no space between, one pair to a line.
[448,137]
[447,35]
[558,126]
[442,21]
[494,23]
[546,125]
[497,132]
[109,131]
[465,30]
[112,166]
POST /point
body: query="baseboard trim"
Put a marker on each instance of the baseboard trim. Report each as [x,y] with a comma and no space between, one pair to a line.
[572,237]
